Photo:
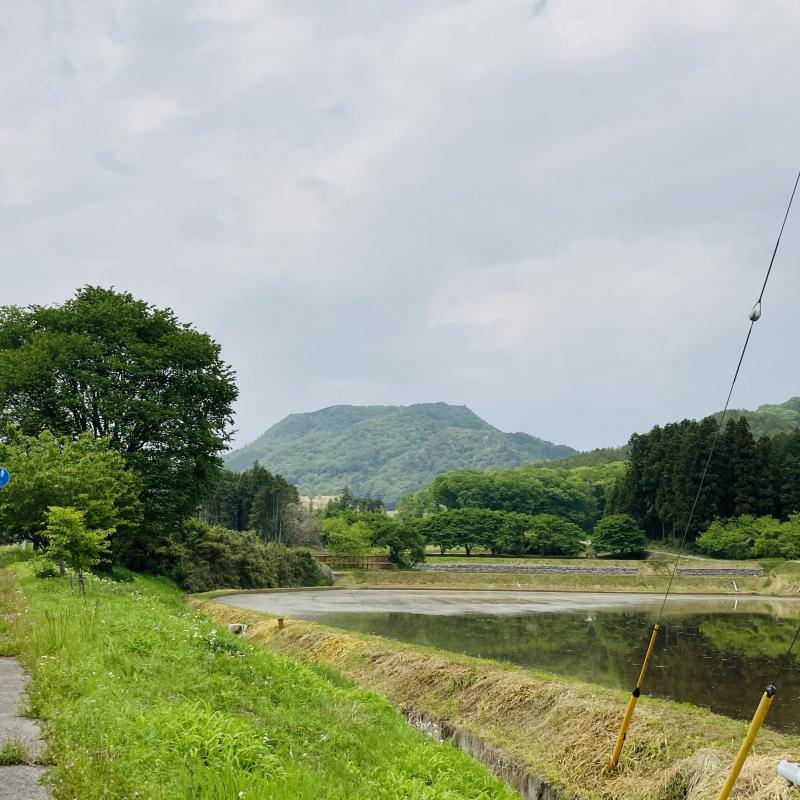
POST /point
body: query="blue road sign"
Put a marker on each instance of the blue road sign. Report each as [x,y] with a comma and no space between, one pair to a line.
[5,476]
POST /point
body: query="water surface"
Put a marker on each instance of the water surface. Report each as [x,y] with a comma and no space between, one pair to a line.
[717,652]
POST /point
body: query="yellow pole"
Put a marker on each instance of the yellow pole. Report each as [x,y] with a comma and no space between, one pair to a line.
[634,698]
[752,732]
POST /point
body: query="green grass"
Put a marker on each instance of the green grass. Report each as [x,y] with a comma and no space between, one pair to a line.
[142,697]
[13,752]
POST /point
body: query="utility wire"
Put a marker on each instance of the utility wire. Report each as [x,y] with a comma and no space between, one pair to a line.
[769,694]
[755,315]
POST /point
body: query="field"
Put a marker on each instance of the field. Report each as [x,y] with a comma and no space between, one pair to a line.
[559,729]
[143,697]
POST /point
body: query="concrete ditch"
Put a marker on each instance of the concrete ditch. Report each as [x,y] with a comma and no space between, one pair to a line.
[527,784]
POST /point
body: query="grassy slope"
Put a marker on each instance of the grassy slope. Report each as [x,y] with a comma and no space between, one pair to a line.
[560,729]
[144,698]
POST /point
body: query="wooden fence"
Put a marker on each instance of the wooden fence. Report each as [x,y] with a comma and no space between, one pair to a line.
[340,561]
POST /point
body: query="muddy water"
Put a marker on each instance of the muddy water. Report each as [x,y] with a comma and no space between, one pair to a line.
[717,652]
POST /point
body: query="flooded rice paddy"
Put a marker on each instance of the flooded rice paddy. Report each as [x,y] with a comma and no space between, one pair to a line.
[716,652]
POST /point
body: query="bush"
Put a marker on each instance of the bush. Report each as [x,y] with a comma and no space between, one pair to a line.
[752,537]
[201,557]
[45,568]
[618,534]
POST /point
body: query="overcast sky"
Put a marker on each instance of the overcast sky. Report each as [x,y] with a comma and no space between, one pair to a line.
[556,212]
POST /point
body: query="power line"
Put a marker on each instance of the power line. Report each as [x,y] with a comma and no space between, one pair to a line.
[755,315]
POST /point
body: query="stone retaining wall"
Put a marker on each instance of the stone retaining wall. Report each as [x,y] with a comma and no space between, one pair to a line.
[560,569]
[532,568]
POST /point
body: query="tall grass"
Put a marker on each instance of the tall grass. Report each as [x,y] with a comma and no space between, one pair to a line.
[143,698]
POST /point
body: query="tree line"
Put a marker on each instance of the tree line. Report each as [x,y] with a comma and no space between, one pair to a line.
[577,495]
[745,477]
[499,532]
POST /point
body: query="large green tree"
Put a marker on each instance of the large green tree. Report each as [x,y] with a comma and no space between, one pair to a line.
[106,363]
[618,534]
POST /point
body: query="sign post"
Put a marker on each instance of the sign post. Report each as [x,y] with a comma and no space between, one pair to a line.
[5,477]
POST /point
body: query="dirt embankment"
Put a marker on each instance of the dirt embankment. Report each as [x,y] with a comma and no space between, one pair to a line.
[538,724]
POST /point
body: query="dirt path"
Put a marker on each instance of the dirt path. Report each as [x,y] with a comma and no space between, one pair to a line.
[20,780]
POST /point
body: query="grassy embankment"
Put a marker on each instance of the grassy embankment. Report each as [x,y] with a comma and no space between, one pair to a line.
[143,697]
[559,729]
[780,578]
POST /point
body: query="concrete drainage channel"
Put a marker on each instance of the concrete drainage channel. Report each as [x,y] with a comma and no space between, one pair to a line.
[528,785]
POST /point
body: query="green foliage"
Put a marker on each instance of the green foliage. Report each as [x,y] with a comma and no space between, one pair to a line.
[348,538]
[156,702]
[13,752]
[69,541]
[463,527]
[84,473]
[596,457]
[200,557]
[770,419]
[549,535]
[386,451]
[744,477]
[577,495]
[501,532]
[404,539]
[251,500]
[346,502]
[416,504]
[116,367]
[618,534]
[752,537]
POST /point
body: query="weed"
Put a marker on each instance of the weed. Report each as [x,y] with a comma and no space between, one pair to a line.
[13,752]
[145,698]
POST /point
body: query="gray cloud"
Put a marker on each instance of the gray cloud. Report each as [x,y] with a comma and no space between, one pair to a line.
[557,213]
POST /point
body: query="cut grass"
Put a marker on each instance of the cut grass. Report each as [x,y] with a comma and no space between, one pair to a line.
[563,730]
[142,697]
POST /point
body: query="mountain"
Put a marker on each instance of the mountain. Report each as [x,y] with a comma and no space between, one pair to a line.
[386,451]
[769,419]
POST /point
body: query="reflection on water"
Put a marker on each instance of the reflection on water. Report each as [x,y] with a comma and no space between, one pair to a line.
[718,660]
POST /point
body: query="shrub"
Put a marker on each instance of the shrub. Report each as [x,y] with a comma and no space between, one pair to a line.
[200,557]
[618,534]
[71,542]
[752,537]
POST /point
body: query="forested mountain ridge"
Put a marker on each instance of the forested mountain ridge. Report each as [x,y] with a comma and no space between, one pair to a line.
[770,419]
[386,451]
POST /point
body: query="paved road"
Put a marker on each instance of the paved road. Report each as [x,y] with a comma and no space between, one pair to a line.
[21,781]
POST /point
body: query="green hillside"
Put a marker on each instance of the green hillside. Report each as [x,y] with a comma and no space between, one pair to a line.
[767,420]
[386,451]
